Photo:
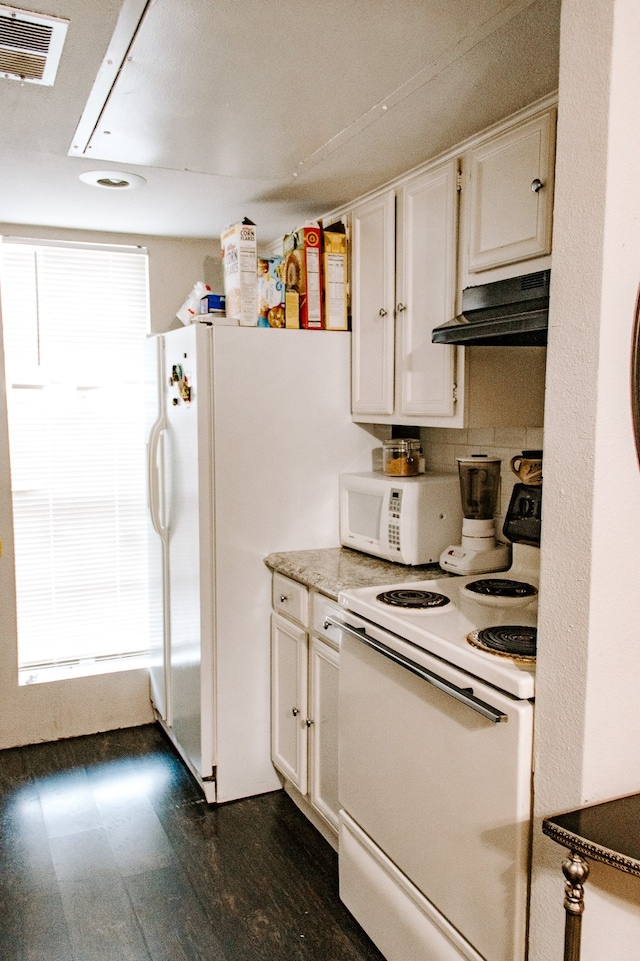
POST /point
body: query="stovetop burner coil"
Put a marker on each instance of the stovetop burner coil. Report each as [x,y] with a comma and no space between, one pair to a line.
[502,587]
[515,641]
[411,599]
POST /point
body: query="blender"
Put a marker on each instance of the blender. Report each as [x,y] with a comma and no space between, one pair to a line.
[479,552]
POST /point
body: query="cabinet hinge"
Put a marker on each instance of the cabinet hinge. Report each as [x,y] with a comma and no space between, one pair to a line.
[459,180]
[455,393]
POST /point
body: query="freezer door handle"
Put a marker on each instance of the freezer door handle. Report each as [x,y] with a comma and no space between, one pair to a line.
[155,437]
[464,695]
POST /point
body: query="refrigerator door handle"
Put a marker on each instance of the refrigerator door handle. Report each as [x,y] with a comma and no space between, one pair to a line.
[157,519]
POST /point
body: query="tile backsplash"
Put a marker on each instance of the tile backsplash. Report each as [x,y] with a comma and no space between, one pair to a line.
[441,447]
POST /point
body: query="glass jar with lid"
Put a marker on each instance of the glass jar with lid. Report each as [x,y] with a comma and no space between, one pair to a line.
[401,456]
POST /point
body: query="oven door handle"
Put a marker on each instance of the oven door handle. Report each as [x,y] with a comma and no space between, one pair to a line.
[464,695]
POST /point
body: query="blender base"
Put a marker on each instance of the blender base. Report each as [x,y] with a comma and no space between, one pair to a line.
[463,560]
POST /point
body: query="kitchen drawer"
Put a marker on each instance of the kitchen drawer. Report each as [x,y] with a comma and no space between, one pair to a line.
[290,598]
[321,607]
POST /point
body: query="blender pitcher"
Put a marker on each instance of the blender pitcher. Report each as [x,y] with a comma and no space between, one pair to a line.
[479,485]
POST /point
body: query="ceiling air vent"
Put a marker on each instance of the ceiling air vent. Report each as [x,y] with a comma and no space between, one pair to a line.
[30,45]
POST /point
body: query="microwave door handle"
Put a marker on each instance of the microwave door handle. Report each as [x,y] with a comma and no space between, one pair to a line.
[464,695]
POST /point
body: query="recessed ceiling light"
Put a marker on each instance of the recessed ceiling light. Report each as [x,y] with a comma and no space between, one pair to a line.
[112,179]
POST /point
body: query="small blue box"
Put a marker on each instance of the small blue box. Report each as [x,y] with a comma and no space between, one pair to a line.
[212,304]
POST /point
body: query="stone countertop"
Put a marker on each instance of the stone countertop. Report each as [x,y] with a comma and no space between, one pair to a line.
[334,569]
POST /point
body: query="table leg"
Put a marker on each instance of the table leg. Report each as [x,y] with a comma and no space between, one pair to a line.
[576,872]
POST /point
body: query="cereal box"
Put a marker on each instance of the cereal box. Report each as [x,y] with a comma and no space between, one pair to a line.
[270,292]
[336,315]
[302,271]
[239,257]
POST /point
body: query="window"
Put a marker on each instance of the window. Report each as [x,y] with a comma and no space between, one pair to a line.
[75,320]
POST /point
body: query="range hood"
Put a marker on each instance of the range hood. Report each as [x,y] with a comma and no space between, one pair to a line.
[505,313]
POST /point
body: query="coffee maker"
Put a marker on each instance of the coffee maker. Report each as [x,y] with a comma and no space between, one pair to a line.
[479,552]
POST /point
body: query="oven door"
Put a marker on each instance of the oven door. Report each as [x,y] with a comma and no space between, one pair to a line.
[435,771]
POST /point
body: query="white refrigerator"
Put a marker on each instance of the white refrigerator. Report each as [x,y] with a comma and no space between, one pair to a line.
[251,429]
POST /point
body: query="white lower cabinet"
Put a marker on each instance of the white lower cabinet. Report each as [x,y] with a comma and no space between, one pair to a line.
[304,704]
[323,732]
[289,655]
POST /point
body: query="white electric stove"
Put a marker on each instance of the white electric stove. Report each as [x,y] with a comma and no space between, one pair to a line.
[435,760]
[453,626]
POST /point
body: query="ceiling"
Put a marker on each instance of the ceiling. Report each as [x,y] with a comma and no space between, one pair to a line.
[278,110]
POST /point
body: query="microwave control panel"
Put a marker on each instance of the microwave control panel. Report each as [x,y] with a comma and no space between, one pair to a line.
[395,503]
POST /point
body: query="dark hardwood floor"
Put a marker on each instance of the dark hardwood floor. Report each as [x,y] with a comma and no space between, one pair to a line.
[108,852]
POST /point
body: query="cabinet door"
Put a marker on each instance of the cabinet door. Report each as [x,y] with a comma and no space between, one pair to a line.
[510,195]
[373,279]
[323,732]
[425,290]
[289,700]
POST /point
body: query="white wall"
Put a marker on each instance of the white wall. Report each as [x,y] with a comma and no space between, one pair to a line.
[505,395]
[588,671]
[442,447]
[78,706]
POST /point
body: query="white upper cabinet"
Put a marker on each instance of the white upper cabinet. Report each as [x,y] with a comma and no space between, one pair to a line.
[404,281]
[373,282]
[483,213]
[425,293]
[508,197]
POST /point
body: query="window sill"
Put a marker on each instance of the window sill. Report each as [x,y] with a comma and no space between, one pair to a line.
[88,668]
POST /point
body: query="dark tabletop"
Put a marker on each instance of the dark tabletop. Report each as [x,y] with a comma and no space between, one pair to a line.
[608,832]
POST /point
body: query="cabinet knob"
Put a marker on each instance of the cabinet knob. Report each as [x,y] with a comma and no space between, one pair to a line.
[283,598]
[295,711]
[382,312]
[536,185]
[308,721]
[400,308]
[326,625]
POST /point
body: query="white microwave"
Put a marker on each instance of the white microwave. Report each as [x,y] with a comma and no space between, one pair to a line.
[409,520]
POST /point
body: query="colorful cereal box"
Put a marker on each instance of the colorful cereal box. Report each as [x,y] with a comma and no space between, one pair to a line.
[270,292]
[302,269]
[336,315]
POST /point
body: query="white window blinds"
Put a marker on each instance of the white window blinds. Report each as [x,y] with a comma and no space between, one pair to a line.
[75,320]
